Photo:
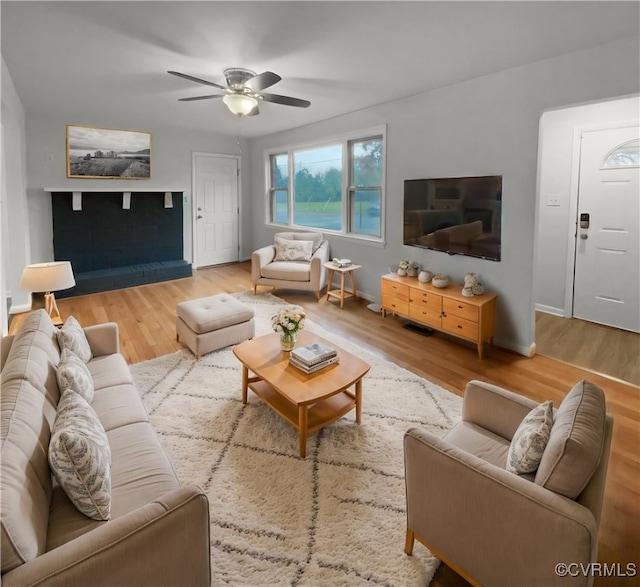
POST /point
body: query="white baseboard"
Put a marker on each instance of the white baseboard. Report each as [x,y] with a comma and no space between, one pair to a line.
[550,310]
[19,309]
[525,351]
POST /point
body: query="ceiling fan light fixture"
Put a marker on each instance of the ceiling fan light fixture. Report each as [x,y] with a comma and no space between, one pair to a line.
[240,104]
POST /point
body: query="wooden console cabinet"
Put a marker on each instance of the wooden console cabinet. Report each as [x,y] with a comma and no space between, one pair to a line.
[472,318]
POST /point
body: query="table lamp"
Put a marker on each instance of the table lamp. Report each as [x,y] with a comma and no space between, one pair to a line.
[47,278]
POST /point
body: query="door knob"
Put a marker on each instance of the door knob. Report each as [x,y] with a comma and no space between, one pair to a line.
[584,237]
[198,217]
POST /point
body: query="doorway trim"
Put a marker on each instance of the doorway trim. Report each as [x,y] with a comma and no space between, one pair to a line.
[572,229]
[194,224]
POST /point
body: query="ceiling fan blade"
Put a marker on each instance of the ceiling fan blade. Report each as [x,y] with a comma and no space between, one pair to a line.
[262,81]
[196,79]
[286,100]
[209,97]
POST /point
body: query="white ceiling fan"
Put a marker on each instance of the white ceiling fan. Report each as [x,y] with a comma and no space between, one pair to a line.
[244,91]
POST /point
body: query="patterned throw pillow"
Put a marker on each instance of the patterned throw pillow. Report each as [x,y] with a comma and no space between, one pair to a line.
[289,250]
[72,337]
[530,440]
[80,456]
[73,374]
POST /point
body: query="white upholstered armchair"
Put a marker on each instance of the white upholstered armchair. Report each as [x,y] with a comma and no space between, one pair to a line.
[495,527]
[294,261]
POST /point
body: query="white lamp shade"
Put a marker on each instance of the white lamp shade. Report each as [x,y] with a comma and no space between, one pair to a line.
[47,277]
[240,104]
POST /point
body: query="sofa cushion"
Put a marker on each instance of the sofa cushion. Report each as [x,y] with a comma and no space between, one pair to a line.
[25,477]
[73,373]
[119,405]
[480,442]
[287,270]
[575,444]
[530,440]
[72,336]
[34,355]
[292,250]
[109,370]
[80,456]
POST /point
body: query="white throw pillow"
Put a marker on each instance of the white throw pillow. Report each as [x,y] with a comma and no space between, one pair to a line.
[530,440]
[72,337]
[289,250]
[80,456]
[73,374]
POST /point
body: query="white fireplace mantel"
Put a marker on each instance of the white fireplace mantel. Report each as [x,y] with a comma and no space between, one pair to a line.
[76,202]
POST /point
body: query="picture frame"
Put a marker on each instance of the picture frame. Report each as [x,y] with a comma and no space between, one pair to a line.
[107,153]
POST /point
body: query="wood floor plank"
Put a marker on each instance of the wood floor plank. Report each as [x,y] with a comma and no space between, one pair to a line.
[146,317]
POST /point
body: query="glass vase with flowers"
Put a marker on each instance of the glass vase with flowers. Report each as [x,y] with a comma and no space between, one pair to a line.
[287,322]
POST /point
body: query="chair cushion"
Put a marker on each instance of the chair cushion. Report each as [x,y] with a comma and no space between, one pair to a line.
[292,250]
[80,456]
[531,438]
[287,271]
[575,444]
[315,237]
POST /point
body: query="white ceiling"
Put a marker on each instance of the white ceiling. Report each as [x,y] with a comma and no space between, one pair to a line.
[105,63]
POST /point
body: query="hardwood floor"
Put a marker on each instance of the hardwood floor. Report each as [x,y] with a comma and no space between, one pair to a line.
[594,347]
[146,316]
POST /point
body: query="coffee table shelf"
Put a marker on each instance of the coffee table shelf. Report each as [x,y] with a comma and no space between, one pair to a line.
[319,414]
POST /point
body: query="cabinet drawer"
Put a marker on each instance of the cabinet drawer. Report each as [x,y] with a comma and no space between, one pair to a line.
[460,327]
[425,300]
[425,315]
[461,309]
[394,304]
[396,290]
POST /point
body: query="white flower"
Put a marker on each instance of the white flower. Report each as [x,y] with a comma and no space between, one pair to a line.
[289,320]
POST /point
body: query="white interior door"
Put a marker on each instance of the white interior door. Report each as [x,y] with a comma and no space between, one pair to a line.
[607,265]
[216,208]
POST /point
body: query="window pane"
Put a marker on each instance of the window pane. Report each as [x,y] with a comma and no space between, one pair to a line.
[367,163]
[280,171]
[280,212]
[317,188]
[626,155]
[365,212]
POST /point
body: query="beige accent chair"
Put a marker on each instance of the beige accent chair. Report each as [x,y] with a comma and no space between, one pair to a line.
[299,275]
[494,527]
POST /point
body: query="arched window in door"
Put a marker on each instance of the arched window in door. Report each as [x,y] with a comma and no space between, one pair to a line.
[624,155]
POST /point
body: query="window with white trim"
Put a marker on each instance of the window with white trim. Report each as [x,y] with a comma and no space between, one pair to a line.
[337,186]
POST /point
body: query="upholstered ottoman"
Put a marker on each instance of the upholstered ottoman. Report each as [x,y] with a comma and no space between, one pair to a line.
[208,324]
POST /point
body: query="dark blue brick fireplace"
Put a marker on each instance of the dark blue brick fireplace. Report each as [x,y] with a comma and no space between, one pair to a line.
[110,247]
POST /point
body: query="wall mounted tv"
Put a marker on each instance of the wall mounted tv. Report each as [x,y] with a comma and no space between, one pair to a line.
[459,215]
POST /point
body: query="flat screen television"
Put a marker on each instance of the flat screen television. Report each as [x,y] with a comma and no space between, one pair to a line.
[457,215]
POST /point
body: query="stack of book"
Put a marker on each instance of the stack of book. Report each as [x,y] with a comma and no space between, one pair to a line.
[313,357]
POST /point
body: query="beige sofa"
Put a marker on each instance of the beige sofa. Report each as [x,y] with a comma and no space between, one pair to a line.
[158,533]
[498,528]
[305,275]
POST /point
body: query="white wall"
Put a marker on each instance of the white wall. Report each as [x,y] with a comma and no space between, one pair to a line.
[171,150]
[484,126]
[14,222]
[558,174]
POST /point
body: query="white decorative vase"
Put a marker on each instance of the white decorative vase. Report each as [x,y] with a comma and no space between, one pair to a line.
[402,272]
[425,276]
[440,281]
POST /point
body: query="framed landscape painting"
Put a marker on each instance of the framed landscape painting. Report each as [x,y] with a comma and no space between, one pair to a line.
[105,153]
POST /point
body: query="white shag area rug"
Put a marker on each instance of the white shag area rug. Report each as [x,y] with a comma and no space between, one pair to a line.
[336,517]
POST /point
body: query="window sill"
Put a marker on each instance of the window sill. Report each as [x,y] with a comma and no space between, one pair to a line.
[329,234]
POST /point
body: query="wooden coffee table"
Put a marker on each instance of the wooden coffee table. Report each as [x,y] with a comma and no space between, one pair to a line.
[309,402]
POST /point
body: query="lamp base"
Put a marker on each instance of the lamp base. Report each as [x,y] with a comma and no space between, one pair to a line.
[51,308]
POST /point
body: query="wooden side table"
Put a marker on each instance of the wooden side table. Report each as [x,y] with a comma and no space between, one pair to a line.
[342,293]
